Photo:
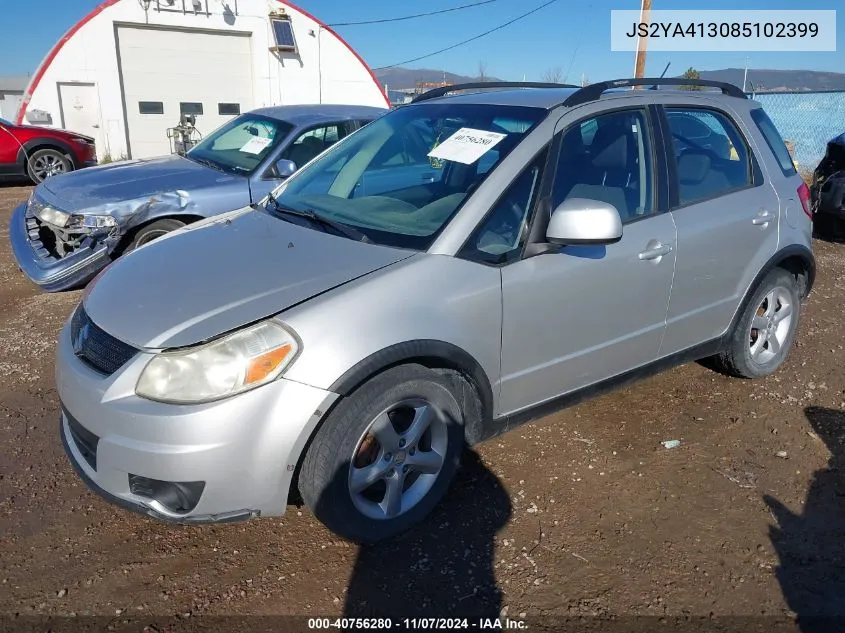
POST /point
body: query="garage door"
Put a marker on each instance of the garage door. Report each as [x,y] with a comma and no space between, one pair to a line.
[167,73]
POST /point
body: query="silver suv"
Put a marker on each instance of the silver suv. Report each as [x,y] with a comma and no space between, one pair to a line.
[457,267]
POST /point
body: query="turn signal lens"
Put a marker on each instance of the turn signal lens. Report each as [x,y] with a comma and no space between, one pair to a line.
[264,365]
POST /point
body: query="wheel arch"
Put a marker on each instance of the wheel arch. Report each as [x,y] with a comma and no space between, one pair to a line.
[430,353]
[31,146]
[795,259]
[126,238]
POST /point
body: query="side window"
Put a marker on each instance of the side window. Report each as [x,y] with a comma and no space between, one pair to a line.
[311,143]
[608,158]
[774,141]
[500,236]
[712,156]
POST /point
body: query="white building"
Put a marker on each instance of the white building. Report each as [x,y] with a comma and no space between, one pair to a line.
[127,71]
[11,96]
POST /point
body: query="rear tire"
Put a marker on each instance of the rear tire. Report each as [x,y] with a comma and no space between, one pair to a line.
[46,163]
[400,433]
[152,231]
[764,334]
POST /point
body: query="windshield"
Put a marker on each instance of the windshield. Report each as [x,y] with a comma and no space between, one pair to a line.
[241,145]
[5,122]
[400,179]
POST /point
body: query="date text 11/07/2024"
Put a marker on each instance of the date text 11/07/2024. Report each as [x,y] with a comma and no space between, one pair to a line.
[423,624]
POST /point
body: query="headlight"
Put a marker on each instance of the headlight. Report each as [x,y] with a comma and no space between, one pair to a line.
[65,220]
[235,363]
[53,216]
[92,221]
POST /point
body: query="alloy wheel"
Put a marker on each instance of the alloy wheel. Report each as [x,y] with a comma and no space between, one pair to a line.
[48,165]
[398,458]
[770,325]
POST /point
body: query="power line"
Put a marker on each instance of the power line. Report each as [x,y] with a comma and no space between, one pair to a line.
[578,43]
[411,17]
[472,39]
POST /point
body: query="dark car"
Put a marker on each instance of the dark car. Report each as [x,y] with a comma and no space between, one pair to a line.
[829,190]
[39,152]
[74,226]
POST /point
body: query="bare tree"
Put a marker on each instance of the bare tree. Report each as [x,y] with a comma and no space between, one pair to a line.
[482,71]
[553,75]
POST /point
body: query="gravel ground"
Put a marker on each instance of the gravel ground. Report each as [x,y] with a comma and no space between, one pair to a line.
[582,513]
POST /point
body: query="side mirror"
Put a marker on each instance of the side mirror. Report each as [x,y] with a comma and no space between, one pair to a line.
[285,168]
[583,221]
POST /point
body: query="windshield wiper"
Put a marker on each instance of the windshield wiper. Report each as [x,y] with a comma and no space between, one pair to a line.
[206,162]
[314,218]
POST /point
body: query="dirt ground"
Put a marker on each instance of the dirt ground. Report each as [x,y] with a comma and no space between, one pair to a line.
[583,513]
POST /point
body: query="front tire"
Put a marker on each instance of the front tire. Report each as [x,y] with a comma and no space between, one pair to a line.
[386,455]
[764,335]
[152,231]
[46,163]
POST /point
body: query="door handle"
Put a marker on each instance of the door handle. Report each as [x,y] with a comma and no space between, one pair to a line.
[763,218]
[655,252]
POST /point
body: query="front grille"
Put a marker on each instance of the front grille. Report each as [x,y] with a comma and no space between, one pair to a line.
[96,348]
[86,442]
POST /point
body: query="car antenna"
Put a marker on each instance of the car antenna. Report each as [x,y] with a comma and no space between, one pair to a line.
[654,87]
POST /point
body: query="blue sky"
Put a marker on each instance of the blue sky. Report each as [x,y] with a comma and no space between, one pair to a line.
[571,34]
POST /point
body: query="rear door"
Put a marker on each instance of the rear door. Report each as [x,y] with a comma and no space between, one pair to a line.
[727,217]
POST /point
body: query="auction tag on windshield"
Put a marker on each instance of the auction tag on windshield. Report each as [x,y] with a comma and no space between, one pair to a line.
[466,145]
[256,145]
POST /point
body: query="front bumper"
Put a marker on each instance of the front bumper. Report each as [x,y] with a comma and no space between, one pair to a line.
[54,275]
[243,450]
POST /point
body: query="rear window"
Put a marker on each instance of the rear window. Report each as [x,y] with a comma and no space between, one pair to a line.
[774,141]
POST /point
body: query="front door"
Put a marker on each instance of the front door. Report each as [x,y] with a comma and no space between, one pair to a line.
[586,313]
[727,217]
[80,110]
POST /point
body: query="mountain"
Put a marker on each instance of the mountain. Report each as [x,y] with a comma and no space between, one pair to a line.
[779,80]
[403,78]
[762,80]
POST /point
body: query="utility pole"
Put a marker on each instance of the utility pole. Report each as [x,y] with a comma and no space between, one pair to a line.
[745,77]
[642,42]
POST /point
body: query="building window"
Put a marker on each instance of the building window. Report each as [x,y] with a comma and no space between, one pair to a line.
[151,107]
[228,109]
[283,35]
[187,108]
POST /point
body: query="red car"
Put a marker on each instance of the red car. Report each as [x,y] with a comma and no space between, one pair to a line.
[39,152]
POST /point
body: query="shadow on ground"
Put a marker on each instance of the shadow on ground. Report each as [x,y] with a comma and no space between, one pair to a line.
[811,545]
[443,566]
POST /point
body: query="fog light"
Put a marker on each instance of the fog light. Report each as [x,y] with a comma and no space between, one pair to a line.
[178,497]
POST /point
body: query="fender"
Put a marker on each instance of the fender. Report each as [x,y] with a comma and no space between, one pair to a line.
[45,141]
[439,353]
[792,251]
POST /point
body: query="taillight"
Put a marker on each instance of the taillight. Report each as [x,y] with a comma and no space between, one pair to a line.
[804,196]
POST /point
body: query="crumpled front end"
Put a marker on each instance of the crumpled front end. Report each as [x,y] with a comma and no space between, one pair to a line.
[54,258]
[59,250]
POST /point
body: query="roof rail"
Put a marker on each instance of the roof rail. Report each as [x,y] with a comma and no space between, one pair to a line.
[594,91]
[444,90]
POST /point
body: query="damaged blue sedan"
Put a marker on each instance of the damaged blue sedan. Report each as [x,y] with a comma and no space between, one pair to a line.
[74,225]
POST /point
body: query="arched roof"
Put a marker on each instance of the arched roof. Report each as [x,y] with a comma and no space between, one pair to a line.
[42,69]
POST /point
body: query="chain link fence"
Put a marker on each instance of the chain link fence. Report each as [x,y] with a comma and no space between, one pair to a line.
[807,121]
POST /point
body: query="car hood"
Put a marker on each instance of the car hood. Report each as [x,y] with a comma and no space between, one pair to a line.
[220,274]
[66,134]
[89,189]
